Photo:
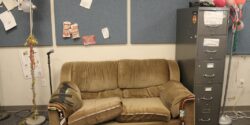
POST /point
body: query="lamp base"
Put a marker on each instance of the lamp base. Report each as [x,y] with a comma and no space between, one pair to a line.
[38,121]
[4,115]
[225,120]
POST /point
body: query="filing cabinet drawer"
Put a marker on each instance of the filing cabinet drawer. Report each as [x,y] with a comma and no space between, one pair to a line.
[207,119]
[208,96]
[213,28]
[211,47]
[209,71]
[207,106]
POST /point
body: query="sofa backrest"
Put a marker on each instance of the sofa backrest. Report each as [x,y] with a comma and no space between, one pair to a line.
[123,78]
[134,74]
[91,76]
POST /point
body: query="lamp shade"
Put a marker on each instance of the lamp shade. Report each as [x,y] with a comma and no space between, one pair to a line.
[220,3]
[25,6]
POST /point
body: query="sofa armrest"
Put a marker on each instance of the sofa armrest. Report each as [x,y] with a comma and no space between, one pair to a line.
[54,118]
[66,99]
[172,94]
[189,113]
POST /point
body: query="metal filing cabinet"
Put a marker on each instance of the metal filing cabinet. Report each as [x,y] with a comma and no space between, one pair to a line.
[200,52]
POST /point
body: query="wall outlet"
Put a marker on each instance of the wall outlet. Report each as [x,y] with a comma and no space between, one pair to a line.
[241,83]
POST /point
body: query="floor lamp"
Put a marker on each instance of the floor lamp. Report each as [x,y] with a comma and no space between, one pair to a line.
[224,119]
[35,118]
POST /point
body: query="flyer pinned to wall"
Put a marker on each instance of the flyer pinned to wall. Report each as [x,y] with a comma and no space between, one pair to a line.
[25,62]
[8,20]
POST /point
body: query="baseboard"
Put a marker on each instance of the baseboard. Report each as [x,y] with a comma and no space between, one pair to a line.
[238,108]
[23,107]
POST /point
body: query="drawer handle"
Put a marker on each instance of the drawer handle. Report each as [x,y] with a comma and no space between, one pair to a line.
[207,99]
[206,111]
[211,51]
[209,76]
[205,120]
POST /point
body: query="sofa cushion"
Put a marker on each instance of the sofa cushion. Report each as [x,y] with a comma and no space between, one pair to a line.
[102,94]
[143,110]
[142,73]
[95,76]
[95,111]
[153,91]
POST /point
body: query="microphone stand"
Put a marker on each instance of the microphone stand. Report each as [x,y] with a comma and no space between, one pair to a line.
[50,81]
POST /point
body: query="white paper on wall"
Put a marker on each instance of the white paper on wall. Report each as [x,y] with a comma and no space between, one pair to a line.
[25,63]
[213,18]
[8,20]
[86,3]
[10,4]
[105,32]
[211,42]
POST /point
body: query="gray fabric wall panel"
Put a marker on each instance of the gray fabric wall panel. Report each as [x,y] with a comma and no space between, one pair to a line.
[243,47]
[42,26]
[103,13]
[154,21]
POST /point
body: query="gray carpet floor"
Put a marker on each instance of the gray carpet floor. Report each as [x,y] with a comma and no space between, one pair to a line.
[241,121]
[17,118]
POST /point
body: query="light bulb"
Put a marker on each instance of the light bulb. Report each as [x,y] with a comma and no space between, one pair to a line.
[25,6]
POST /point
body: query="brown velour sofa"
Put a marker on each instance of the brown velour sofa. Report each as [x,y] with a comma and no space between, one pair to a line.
[124,92]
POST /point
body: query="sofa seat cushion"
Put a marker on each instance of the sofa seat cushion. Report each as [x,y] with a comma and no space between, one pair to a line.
[143,110]
[95,111]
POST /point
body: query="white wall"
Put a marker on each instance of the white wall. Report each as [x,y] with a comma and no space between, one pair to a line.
[239,82]
[15,90]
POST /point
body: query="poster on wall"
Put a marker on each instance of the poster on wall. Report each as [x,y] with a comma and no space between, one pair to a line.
[25,62]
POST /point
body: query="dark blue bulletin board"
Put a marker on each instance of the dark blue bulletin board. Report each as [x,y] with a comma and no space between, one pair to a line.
[243,44]
[154,21]
[103,13]
[42,26]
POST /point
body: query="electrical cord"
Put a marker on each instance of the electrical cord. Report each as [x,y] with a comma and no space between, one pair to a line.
[235,115]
